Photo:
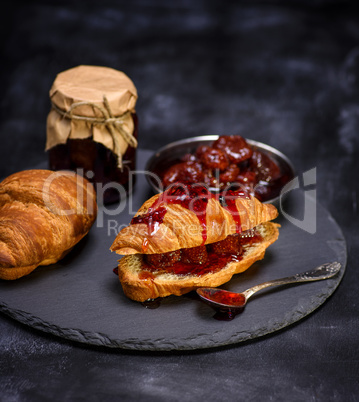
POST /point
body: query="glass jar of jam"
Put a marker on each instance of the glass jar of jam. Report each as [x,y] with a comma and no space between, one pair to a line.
[92,128]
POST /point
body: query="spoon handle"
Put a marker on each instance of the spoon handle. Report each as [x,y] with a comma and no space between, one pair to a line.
[324,271]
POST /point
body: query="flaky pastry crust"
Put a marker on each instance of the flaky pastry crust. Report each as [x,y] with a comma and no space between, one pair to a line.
[43,214]
[181,227]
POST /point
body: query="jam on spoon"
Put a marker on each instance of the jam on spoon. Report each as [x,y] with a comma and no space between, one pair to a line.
[228,304]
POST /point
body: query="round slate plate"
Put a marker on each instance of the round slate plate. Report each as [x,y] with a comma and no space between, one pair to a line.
[80,298]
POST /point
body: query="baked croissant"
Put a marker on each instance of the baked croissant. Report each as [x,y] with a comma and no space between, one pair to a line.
[176,239]
[43,214]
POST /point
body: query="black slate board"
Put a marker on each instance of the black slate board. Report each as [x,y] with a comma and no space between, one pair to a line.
[80,298]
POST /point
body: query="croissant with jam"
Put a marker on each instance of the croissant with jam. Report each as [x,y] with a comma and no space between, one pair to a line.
[43,214]
[187,237]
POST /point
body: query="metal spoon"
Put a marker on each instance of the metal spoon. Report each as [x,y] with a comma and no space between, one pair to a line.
[232,303]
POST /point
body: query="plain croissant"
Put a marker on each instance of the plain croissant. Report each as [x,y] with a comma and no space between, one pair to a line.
[43,214]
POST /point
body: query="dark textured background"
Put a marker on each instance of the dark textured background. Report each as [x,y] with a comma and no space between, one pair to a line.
[282,72]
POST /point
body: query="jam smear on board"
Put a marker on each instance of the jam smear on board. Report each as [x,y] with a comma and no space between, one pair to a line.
[152,304]
[227,314]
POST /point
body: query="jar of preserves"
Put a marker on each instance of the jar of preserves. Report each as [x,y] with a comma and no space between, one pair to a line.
[92,128]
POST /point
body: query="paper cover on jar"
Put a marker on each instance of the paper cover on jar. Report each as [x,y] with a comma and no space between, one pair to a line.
[96,102]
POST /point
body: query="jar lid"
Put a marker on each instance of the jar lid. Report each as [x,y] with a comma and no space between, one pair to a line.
[90,84]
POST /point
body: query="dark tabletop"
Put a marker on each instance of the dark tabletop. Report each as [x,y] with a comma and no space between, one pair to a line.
[283,73]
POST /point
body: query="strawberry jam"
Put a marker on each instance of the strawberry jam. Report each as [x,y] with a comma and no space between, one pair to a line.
[214,263]
[229,203]
[229,160]
[229,304]
[219,254]
[193,197]
[144,275]
[153,218]
[229,298]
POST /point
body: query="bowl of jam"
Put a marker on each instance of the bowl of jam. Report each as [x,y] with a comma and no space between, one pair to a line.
[221,163]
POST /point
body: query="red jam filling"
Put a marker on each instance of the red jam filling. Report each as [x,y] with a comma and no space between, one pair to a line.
[214,263]
[232,250]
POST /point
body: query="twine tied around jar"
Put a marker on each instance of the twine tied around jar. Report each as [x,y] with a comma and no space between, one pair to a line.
[114,124]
